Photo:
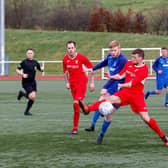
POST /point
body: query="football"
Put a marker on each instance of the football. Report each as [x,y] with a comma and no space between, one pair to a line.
[106,108]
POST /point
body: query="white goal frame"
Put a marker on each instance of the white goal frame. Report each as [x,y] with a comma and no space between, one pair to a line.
[131,49]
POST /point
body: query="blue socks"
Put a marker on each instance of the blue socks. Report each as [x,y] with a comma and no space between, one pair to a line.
[166,98]
[105,126]
[96,116]
[152,92]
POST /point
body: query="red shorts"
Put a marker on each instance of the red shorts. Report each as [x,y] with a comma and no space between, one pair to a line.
[78,90]
[136,100]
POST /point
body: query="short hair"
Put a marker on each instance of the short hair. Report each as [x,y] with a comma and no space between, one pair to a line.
[139,51]
[164,48]
[30,49]
[69,42]
[114,43]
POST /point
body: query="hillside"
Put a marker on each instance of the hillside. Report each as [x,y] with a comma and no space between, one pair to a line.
[50,45]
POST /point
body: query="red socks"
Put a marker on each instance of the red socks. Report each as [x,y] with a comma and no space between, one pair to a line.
[153,125]
[95,106]
[76,115]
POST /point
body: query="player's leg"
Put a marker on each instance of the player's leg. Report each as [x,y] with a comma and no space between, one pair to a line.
[151,92]
[92,125]
[31,99]
[30,89]
[22,94]
[105,125]
[96,115]
[78,95]
[86,109]
[76,117]
[75,108]
[159,84]
[154,126]
[138,105]
[166,97]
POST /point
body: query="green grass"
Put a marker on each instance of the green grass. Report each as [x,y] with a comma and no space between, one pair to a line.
[136,5]
[42,140]
[50,45]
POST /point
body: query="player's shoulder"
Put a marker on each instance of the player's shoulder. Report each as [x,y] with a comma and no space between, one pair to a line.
[78,55]
[123,57]
[129,62]
[65,57]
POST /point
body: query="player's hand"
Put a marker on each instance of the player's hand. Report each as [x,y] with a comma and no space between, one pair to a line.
[159,71]
[67,85]
[91,87]
[106,74]
[119,86]
[90,70]
[103,92]
[25,75]
[42,69]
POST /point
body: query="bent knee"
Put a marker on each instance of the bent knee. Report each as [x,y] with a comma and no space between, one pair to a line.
[32,96]
[158,91]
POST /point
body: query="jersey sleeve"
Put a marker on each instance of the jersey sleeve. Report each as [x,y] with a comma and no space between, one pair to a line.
[155,65]
[64,66]
[38,66]
[101,64]
[121,63]
[123,71]
[140,76]
[20,66]
[108,84]
[86,61]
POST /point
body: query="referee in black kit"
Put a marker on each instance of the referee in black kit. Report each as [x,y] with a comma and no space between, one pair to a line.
[27,69]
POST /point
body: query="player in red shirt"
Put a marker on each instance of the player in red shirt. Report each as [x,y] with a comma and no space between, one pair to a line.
[135,72]
[76,79]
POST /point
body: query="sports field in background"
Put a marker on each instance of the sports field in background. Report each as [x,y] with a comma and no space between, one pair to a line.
[42,140]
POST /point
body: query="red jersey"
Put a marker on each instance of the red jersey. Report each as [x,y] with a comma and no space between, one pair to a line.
[136,75]
[75,68]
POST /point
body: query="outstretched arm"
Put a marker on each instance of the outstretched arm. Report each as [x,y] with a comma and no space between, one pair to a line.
[66,76]
[92,85]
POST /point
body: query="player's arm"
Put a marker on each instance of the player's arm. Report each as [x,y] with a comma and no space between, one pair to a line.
[98,66]
[139,78]
[124,85]
[66,76]
[89,65]
[155,65]
[20,72]
[92,84]
[40,68]
[118,76]
[120,65]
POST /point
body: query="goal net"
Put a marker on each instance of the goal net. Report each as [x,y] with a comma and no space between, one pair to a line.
[150,55]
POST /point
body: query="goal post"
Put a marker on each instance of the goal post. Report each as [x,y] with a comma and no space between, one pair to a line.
[127,51]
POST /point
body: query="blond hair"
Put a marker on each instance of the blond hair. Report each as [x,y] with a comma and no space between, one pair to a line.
[114,43]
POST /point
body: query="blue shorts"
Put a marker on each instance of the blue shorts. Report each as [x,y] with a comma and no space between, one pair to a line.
[161,83]
[113,89]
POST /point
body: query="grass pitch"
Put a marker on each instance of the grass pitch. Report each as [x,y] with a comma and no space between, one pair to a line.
[42,140]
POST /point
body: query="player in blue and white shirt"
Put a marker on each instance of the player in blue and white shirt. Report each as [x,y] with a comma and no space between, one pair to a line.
[160,66]
[115,62]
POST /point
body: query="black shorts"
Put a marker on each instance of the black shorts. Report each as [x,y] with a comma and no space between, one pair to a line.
[29,86]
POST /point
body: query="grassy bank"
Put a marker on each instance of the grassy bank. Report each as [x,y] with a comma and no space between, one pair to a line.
[50,45]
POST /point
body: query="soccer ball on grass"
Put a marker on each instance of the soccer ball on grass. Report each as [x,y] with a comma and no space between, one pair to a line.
[106,108]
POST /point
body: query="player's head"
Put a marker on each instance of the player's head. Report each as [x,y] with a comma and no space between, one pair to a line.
[114,48]
[164,51]
[30,53]
[137,56]
[71,48]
